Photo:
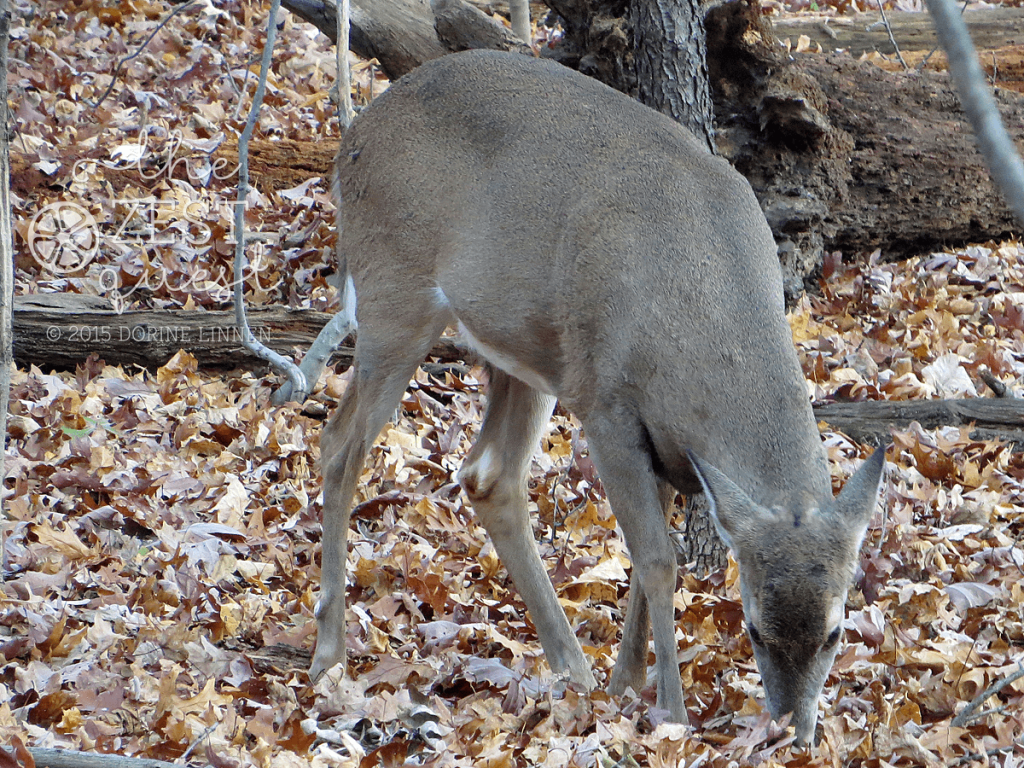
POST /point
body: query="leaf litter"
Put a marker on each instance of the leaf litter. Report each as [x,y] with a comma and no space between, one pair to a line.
[160,553]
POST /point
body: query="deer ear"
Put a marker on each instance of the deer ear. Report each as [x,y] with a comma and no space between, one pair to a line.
[855,504]
[731,509]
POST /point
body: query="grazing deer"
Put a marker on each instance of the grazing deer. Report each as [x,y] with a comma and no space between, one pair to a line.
[592,251]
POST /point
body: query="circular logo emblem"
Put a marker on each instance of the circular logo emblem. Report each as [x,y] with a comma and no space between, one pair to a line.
[63,237]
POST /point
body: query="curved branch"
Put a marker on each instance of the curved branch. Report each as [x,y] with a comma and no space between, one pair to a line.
[280,363]
[995,144]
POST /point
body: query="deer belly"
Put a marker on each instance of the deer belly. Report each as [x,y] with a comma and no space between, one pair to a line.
[507,363]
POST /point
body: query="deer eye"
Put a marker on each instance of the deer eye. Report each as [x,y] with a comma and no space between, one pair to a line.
[833,638]
[755,636]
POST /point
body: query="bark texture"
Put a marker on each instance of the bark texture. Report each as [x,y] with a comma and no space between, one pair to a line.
[845,156]
[670,58]
[701,545]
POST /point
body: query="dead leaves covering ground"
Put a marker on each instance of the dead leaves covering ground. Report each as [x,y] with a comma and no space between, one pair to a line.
[160,554]
[162,546]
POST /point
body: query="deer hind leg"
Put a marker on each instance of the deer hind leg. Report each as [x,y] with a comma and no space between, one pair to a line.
[631,666]
[494,478]
[387,354]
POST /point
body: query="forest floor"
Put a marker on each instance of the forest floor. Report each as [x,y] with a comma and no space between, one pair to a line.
[160,539]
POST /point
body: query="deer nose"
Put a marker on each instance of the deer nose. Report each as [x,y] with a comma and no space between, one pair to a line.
[803,724]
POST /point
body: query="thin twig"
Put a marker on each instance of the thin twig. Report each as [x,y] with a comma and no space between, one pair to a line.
[199,740]
[280,363]
[966,714]
[998,388]
[343,322]
[988,753]
[892,39]
[139,50]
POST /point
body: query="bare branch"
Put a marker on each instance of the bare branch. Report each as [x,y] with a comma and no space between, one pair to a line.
[140,49]
[892,39]
[250,342]
[998,149]
[967,713]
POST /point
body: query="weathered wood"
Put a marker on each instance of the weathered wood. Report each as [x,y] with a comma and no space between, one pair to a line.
[462,27]
[846,156]
[870,421]
[66,758]
[61,330]
[863,33]
[401,34]
[398,33]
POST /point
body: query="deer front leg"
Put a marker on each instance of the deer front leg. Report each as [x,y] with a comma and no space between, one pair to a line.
[494,478]
[636,497]
[631,665]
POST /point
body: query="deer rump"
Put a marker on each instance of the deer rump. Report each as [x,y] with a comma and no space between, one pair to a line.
[593,251]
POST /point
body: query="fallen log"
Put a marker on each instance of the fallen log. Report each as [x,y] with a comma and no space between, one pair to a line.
[402,34]
[59,331]
[870,421]
[66,758]
[865,32]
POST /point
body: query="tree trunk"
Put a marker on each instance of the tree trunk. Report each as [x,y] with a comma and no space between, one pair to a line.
[702,546]
[670,62]
[670,57]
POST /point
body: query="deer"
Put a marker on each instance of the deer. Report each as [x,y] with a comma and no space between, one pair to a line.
[593,252]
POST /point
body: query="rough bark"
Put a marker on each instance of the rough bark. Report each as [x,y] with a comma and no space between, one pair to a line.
[597,40]
[670,57]
[845,156]
[462,27]
[702,545]
[870,422]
